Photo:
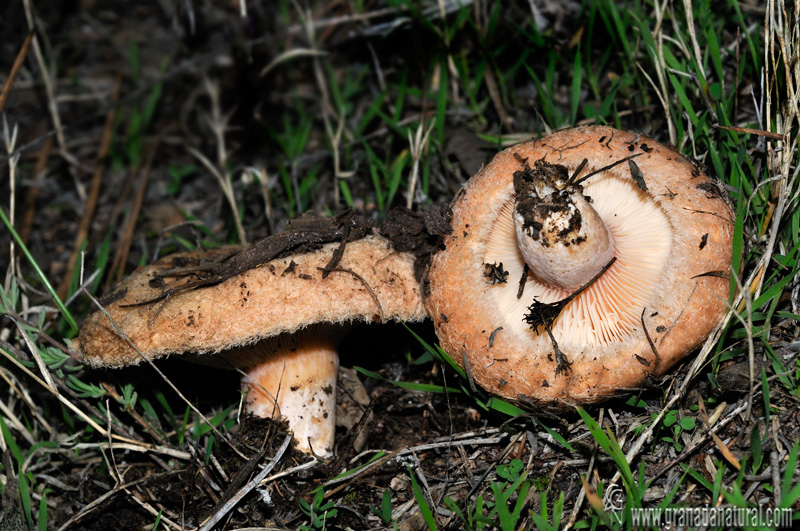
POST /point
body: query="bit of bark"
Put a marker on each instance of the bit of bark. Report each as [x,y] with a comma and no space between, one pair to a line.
[302,236]
[495,273]
[650,341]
[492,336]
[637,175]
[522,280]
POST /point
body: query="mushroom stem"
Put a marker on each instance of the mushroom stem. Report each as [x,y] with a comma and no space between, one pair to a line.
[296,380]
[561,236]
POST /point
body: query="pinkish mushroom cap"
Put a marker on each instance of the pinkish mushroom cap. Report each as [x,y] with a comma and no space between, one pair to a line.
[280,322]
[638,232]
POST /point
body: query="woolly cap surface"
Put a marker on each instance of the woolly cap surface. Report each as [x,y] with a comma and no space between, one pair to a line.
[672,234]
[281,296]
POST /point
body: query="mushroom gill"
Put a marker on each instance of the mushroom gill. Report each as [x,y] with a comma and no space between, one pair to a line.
[608,309]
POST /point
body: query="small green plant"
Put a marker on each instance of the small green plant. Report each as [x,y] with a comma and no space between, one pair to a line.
[676,424]
[385,512]
[176,175]
[504,509]
[318,511]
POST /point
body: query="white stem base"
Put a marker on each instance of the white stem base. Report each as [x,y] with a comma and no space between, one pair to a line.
[302,376]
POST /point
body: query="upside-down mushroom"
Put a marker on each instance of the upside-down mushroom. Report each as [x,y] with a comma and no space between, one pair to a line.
[579,265]
[280,323]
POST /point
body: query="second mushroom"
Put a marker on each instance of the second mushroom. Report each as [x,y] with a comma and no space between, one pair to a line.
[579,265]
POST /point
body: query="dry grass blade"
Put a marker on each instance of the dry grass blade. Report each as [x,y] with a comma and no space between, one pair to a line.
[751,131]
[94,190]
[417,145]
[34,350]
[288,55]
[50,90]
[723,448]
[121,256]
[15,68]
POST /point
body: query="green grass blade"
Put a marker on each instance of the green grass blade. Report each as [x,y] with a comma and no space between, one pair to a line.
[555,435]
[790,495]
[64,311]
[12,444]
[611,447]
[412,386]
[41,519]
[424,508]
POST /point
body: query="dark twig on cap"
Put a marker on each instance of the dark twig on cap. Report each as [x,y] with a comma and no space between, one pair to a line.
[345,227]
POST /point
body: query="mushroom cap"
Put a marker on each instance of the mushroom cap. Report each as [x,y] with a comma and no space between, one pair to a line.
[673,244]
[272,299]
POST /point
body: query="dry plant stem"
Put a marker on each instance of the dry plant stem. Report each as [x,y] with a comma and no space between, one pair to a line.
[14,422]
[497,100]
[327,109]
[688,9]
[660,65]
[15,68]
[417,145]
[227,190]
[34,350]
[252,484]
[128,447]
[113,470]
[24,396]
[10,140]
[748,327]
[219,124]
[123,247]
[291,54]
[51,96]
[149,508]
[582,493]
[94,190]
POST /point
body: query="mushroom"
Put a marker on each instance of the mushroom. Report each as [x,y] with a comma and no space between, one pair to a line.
[580,264]
[280,323]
